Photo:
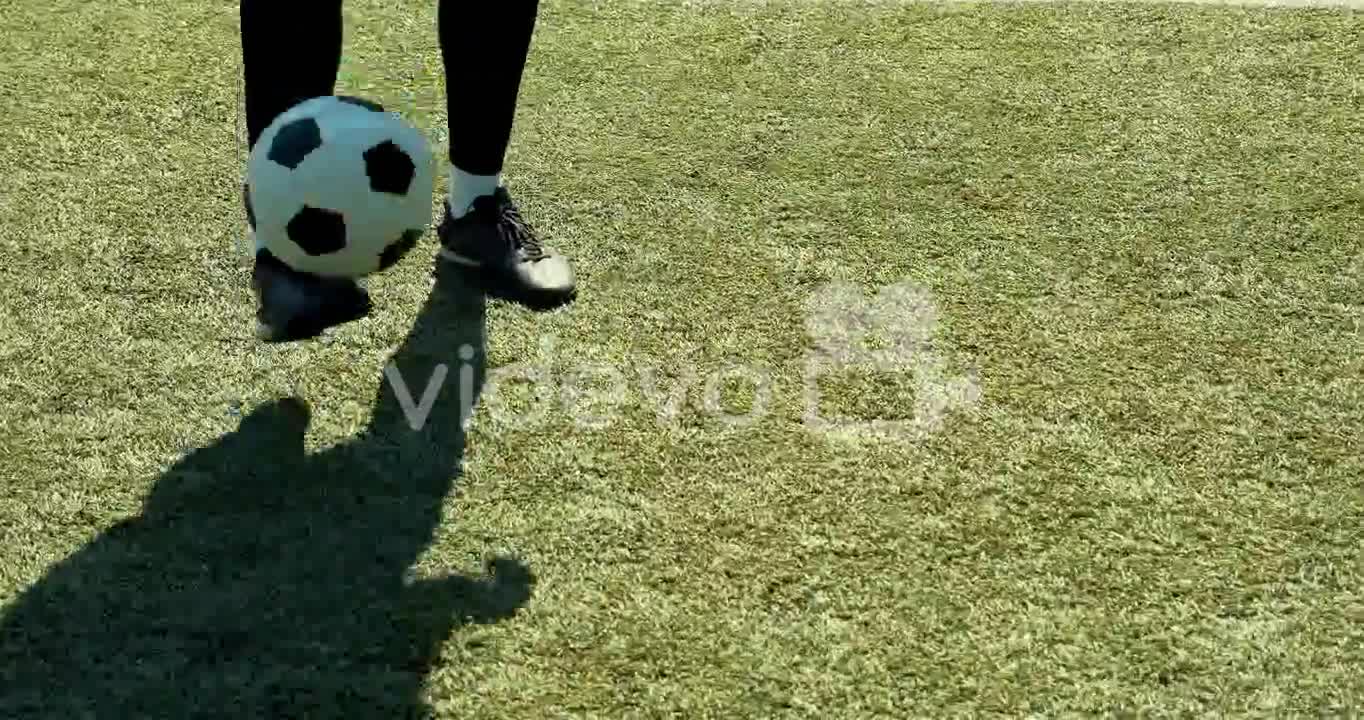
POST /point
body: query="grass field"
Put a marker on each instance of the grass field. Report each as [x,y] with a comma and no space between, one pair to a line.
[1141,228]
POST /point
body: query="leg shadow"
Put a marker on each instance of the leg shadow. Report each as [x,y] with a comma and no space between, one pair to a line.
[263,582]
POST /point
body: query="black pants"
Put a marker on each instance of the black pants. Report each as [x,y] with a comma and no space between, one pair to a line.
[292,51]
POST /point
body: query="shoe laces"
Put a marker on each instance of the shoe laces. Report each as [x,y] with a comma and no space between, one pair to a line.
[516,229]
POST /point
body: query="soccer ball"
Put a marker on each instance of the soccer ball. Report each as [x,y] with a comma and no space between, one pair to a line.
[338,187]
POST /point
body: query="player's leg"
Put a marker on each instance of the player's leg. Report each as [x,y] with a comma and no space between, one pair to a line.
[485,52]
[291,52]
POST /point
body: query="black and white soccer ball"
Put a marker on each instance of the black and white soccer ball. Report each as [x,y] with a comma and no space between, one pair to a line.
[339,187]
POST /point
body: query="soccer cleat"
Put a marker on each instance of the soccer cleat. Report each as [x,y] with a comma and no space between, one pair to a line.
[295,306]
[503,255]
[291,305]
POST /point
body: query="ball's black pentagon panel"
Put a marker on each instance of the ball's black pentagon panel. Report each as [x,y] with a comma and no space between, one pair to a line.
[361,102]
[317,231]
[294,141]
[246,200]
[399,248]
[390,170]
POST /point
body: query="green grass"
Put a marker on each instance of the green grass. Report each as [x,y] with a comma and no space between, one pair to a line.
[1141,229]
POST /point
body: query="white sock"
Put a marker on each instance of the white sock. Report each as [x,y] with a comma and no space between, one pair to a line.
[465,188]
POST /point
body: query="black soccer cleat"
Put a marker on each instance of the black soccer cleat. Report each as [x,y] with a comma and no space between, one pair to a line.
[292,305]
[503,256]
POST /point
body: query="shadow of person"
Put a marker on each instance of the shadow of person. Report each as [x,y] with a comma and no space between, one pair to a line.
[263,582]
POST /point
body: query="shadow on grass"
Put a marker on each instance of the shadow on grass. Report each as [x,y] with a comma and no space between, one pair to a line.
[260,582]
